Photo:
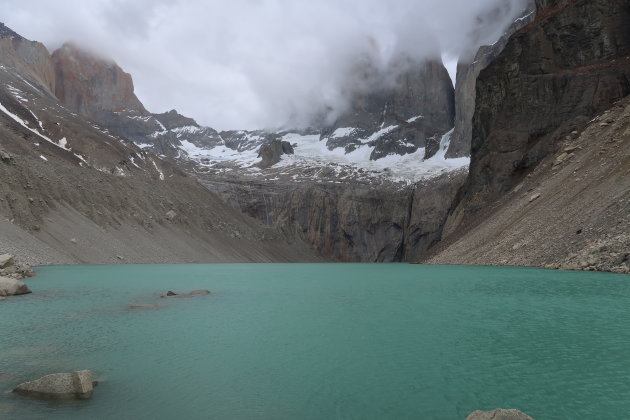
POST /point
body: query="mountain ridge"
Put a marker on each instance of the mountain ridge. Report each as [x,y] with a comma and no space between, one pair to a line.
[73,192]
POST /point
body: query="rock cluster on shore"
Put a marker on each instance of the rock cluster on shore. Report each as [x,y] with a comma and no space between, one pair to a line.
[605,254]
[10,275]
[12,269]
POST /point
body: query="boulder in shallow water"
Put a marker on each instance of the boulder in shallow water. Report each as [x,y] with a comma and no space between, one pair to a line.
[142,306]
[10,287]
[187,295]
[74,385]
[200,292]
[499,414]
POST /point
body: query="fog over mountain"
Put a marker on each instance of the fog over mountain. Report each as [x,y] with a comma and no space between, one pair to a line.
[262,63]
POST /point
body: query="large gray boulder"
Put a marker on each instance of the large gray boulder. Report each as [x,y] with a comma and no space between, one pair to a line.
[499,414]
[11,287]
[72,385]
[6,260]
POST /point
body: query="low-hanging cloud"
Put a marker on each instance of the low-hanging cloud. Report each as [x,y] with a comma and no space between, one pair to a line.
[260,63]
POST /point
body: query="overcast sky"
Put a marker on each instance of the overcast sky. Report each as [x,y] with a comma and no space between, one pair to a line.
[257,63]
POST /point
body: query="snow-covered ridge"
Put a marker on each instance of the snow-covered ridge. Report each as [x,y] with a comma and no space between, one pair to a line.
[189,129]
[377,135]
[343,132]
[312,158]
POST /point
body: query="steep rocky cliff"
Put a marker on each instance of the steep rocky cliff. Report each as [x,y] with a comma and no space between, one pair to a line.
[73,192]
[571,212]
[399,116]
[90,85]
[28,58]
[350,221]
[468,69]
[553,77]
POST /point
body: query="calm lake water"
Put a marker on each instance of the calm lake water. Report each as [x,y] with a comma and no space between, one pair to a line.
[322,341]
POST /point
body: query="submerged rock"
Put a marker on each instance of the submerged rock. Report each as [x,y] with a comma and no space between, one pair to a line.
[186,295]
[499,414]
[11,287]
[142,306]
[77,385]
[200,292]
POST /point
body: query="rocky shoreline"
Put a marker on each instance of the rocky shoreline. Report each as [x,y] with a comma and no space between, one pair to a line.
[11,274]
[12,268]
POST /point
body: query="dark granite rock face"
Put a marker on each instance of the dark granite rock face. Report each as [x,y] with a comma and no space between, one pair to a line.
[271,152]
[467,72]
[398,118]
[352,221]
[554,75]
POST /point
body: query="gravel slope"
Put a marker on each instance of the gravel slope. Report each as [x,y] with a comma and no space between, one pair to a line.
[572,211]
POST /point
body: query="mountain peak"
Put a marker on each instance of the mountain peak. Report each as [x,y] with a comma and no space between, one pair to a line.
[89,84]
[6,32]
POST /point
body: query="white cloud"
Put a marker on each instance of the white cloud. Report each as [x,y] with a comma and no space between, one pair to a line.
[257,63]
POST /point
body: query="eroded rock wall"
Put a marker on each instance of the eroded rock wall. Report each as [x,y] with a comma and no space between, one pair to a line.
[468,69]
[553,76]
[351,222]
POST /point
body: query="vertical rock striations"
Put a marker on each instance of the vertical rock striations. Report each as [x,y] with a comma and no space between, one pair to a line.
[467,72]
[350,221]
[554,75]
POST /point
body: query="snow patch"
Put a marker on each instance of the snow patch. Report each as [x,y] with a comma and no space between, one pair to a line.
[379,134]
[158,170]
[343,132]
[141,118]
[133,162]
[159,123]
[37,119]
[188,129]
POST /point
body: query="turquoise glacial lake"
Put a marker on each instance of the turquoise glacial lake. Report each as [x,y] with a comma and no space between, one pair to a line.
[321,341]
